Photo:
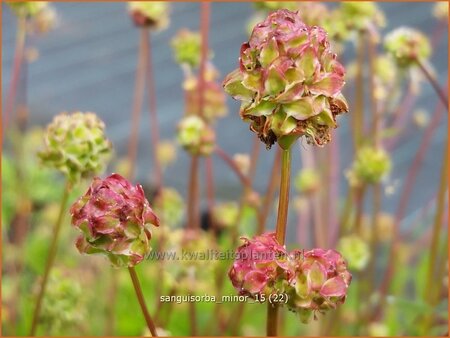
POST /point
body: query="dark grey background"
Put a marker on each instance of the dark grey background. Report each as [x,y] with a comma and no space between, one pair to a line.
[88,64]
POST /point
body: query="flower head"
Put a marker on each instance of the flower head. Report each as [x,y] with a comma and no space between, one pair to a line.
[320,283]
[166,152]
[226,214]
[289,82]
[187,47]
[407,45]
[370,166]
[115,219]
[440,10]
[76,145]
[356,251]
[196,136]
[260,264]
[307,181]
[168,204]
[151,14]
[27,8]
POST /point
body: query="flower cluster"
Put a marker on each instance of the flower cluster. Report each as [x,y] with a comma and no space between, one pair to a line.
[314,280]
[196,136]
[150,14]
[27,8]
[407,45]
[356,250]
[187,47]
[76,145]
[115,219]
[370,166]
[289,82]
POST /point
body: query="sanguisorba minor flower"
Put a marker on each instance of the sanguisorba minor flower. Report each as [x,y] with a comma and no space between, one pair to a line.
[116,220]
[196,136]
[186,46]
[76,145]
[289,81]
[149,14]
[27,8]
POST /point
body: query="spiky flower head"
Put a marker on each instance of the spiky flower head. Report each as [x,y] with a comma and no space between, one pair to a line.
[289,82]
[214,105]
[261,264]
[76,145]
[186,46]
[115,219]
[195,136]
[169,205]
[320,283]
[27,8]
[407,45]
[370,166]
[356,250]
[150,14]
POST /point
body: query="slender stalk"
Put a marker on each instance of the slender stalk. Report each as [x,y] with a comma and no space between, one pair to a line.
[193,203]
[358,116]
[233,166]
[17,66]
[404,198]
[50,259]
[334,190]
[137,103]
[283,203]
[154,125]
[210,190]
[434,244]
[140,297]
[434,83]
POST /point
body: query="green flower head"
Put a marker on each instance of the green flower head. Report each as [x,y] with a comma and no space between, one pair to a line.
[195,136]
[355,250]
[370,166]
[27,8]
[186,46]
[150,14]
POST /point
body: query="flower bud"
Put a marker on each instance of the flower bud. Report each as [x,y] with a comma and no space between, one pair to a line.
[320,282]
[355,250]
[186,46]
[407,45]
[195,136]
[76,145]
[289,82]
[115,219]
[150,14]
[307,181]
[166,153]
[169,205]
[27,8]
[259,265]
[370,166]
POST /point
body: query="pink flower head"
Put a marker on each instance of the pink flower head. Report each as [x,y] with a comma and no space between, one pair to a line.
[115,219]
[260,262]
[289,81]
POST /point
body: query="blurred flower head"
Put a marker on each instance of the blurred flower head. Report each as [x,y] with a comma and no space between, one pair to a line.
[166,153]
[355,250]
[360,15]
[289,82]
[243,162]
[186,46]
[195,136]
[76,145]
[407,45]
[169,205]
[115,219]
[150,14]
[440,10]
[44,21]
[226,214]
[320,282]
[260,265]
[307,181]
[27,8]
[370,166]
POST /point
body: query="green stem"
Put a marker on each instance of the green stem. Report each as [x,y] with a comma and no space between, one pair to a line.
[283,203]
[50,259]
[140,297]
[434,245]
[193,212]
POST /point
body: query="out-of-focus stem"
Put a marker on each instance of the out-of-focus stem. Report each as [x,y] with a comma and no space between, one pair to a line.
[193,203]
[210,190]
[154,125]
[233,166]
[50,259]
[138,99]
[280,232]
[137,288]
[333,195]
[437,88]
[358,116]
[404,198]
[359,201]
[17,66]
[434,244]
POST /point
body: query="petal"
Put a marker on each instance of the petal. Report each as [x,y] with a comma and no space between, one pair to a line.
[255,281]
[269,53]
[334,287]
[301,109]
[317,275]
[329,85]
[233,86]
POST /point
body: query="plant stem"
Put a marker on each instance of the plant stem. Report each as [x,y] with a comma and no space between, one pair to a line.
[17,65]
[154,125]
[140,297]
[283,203]
[358,116]
[437,88]
[137,103]
[193,211]
[434,244]
[233,166]
[50,259]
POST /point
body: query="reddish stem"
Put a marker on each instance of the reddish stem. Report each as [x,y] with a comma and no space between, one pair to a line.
[233,166]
